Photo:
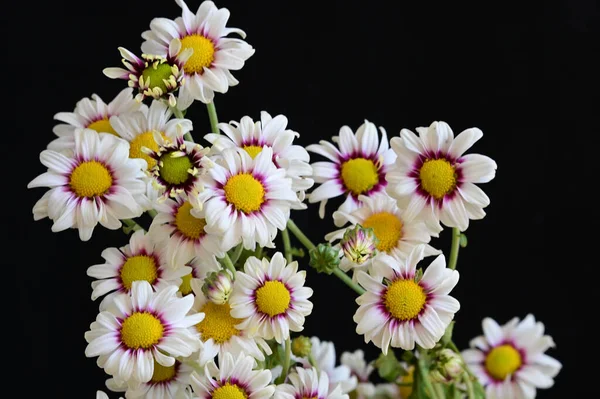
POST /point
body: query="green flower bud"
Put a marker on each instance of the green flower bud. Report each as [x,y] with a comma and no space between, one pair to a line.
[324,258]
[217,286]
[301,346]
[359,244]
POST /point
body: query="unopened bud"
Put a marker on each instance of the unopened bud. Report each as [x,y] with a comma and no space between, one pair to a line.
[359,244]
[301,346]
[449,366]
[324,258]
[217,286]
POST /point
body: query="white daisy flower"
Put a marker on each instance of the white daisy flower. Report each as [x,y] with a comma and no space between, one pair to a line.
[219,334]
[270,297]
[139,260]
[361,370]
[99,183]
[214,55]
[103,395]
[432,179]
[401,310]
[247,200]
[140,328]
[184,236]
[396,235]
[308,383]
[358,167]
[509,360]
[233,379]
[91,114]
[271,132]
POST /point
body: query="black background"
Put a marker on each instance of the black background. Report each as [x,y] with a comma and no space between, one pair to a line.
[323,65]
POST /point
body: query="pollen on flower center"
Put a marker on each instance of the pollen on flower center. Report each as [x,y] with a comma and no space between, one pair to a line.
[186,284]
[273,298]
[502,361]
[438,177]
[90,178]
[145,139]
[155,74]
[139,267]
[141,330]
[103,126]
[174,168]
[218,324]
[244,192]
[404,299]
[359,175]
[203,56]
[187,224]
[229,391]
[387,228]
[253,150]
[163,374]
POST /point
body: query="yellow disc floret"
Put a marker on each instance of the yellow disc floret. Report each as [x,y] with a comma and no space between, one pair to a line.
[139,267]
[203,56]
[502,361]
[387,228]
[145,139]
[103,126]
[253,150]
[229,391]
[141,330]
[218,324]
[359,175]
[186,284]
[438,177]
[90,179]
[157,74]
[244,192]
[273,298]
[162,373]
[174,169]
[187,224]
[404,299]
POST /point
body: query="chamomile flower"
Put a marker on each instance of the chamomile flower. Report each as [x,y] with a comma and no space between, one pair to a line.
[402,310]
[362,370]
[91,114]
[235,378]
[247,200]
[213,56]
[153,75]
[139,260]
[219,334]
[271,132]
[140,328]
[509,360]
[308,383]
[434,180]
[270,297]
[184,236]
[358,167]
[97,183]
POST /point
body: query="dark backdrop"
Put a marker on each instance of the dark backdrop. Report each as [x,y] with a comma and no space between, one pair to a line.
[323,65]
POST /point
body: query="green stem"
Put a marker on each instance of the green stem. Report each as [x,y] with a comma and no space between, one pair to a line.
[439,391]
[237,253]
[178,114]
[131,225]
[346,279]
[212,115]
[152,213]
[287,246]
[425,379]
[286,360]
[454,248]
[313,362]
[469,384]
[229,264]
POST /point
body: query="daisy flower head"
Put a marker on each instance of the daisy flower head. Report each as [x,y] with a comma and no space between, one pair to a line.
[245,199]
[308,383]
[399,308]
[213,56]
[362,370]
[91,114]
[96,183]
[154,76]
[509,360]
[358,167]
[434,180]
[271,132]
[184,237]
[141,259]
[234,378]
[140,328]
[270,297]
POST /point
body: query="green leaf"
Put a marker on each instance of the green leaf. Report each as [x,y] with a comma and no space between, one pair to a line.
[447,337]
[388,367]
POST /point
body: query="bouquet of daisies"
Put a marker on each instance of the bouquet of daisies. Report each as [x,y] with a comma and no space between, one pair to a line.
[201,303]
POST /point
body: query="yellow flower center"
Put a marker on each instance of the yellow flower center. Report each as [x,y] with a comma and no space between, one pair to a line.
[203,56]
[218,324]
[438,177]
[157,74]
[253,150]
[244,192]
[103,126]
[406,390]
[273,298]
[139,267]
[162,373]
[186,284]
[404,299]
[229,391]
[141,330]
[387,228]
[359,175]
[502,361]
[90,179]
[187,224]
[175,169]
[143,140]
